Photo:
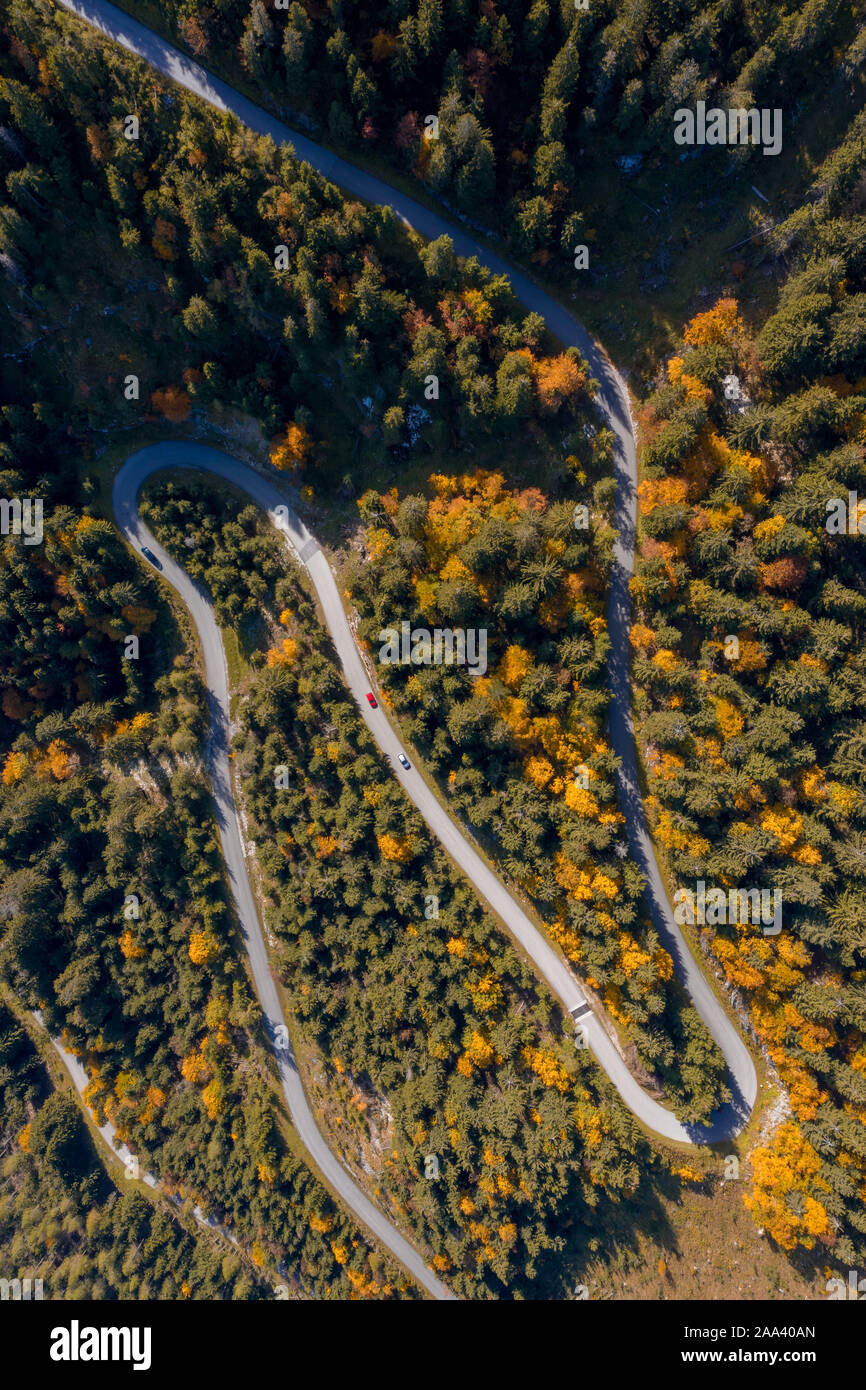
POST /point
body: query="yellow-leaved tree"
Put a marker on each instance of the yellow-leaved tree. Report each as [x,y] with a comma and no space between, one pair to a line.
[786,1189]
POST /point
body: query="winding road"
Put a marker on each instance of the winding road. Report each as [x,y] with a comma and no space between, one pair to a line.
[551,966]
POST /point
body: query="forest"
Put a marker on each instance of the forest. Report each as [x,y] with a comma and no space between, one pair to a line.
[222,280]
[115,914]
[521,754]
[513,111]
[418,1005]
[224,270]
[96,747]
[63,1221]
[748,659]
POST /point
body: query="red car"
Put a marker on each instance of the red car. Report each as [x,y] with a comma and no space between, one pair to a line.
[371,700]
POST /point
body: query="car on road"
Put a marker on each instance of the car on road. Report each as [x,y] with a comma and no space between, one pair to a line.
[149,555]
[371,700]
[403,760]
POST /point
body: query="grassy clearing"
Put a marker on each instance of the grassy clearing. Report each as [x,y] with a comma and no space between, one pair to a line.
[238,667]
[701,1245]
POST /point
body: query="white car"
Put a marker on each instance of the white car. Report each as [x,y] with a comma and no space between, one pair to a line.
[403,760]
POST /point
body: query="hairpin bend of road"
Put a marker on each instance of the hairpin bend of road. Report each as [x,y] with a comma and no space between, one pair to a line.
[613,399]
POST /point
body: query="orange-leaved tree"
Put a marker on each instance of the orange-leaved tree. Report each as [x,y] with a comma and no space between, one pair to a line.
[171,402]
[291,451]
